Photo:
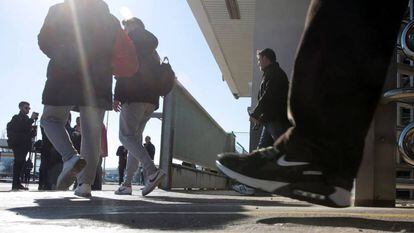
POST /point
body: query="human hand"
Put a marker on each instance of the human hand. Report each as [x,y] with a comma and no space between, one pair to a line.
[35,116]
[254,120]
[116,106]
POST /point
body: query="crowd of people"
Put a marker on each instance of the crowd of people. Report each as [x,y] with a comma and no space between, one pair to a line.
[314,156]
[79,78]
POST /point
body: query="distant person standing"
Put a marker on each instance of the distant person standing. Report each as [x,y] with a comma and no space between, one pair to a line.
[271,109]
[149,147]
[20,132]
[122,161]
[137,98]
[97,183]
[76,135]
[79,38]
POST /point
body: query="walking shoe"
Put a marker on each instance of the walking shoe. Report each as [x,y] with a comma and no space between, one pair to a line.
[19,187]
[124,190]
[70,168]
[270,171]
[83,190]
[243,189]
[153,181]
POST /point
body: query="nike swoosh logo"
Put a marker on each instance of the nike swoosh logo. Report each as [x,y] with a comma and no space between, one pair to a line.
[283,163]
[153,179]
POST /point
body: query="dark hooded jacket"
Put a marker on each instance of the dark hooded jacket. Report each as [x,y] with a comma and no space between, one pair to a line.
[79,39]
[20,132]
[272,97]
[142,87]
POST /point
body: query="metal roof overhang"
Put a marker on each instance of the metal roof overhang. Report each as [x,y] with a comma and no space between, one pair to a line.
[230,40]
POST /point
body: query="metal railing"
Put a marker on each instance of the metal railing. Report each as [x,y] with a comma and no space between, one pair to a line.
[190,134]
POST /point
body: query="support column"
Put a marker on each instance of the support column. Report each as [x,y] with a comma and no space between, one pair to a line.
[279,26]
[375,184]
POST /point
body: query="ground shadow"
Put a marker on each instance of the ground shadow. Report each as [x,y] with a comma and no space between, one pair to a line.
[159,213]
[349,222]
[230,201]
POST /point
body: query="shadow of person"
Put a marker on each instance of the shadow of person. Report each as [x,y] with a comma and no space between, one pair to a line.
[344,222]
[135,214]
[230,201]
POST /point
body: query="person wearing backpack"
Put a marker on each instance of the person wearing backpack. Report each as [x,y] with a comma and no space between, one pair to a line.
[79,37]
[137,98]
[20,132]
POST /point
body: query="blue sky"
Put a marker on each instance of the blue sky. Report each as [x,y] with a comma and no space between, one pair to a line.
[23,65]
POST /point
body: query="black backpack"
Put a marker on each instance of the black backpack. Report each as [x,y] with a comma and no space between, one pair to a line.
[166,77]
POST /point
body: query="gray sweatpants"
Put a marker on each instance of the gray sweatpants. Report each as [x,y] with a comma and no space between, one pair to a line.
[134,117]
[53,122]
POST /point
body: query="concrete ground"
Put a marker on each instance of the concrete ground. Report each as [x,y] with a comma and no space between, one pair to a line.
[224,211]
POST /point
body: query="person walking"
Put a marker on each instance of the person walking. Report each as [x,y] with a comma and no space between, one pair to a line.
[79,38]
[136,98]
[149,147]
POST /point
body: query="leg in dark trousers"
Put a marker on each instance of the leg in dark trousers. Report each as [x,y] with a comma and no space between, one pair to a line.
[338,77]
[270,132]
[337,82]
[18,166]
[121,171]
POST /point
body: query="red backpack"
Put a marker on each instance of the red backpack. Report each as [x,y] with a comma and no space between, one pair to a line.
[124,58]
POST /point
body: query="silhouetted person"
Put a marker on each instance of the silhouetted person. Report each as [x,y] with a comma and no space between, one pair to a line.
[97,183]
[79,37]
[122,161]
[20,132]
[149,147]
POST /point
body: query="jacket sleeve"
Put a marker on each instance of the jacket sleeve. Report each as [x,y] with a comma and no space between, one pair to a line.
[47,38]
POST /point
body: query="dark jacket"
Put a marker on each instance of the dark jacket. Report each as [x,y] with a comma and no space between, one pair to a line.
[122,160]
[79,71]
[122,152]
[150,149]
[20,132]
[142,87]
[272,97]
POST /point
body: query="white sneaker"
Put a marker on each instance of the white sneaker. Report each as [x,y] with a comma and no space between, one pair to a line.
[243,189]
[153,181]
[124,190]
[70,168]
[83,190]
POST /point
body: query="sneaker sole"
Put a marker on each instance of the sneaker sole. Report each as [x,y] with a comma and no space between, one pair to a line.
[83,195]
[286,189]
[123,193]
[155,184]
[66,180]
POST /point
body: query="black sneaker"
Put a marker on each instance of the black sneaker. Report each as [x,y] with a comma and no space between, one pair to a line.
[19,187]
[271,171]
